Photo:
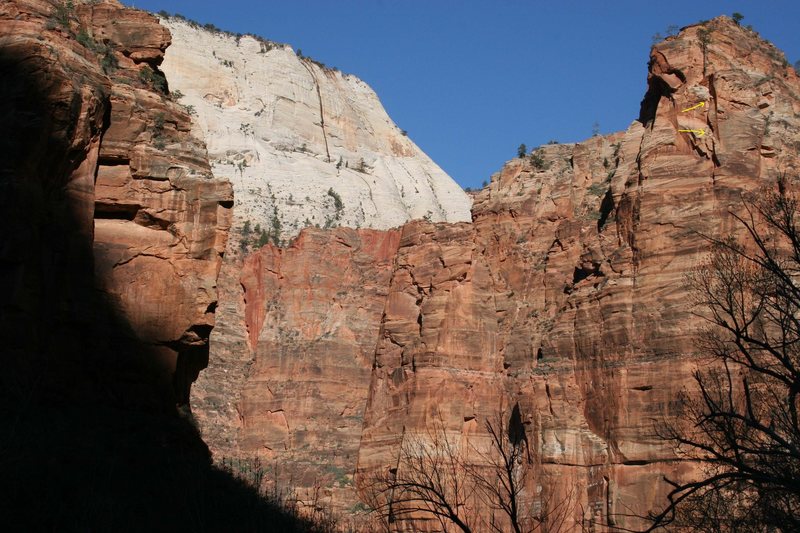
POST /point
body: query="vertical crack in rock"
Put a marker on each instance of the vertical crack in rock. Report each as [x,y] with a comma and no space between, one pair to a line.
[321,111]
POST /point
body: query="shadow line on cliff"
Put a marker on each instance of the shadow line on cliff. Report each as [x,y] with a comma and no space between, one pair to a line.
[89,435]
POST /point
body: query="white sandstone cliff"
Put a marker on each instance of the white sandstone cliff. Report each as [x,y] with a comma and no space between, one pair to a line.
[286,131]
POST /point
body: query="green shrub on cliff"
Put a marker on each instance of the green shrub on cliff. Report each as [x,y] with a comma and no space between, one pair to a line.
[337,200]
[538,161]
[63,13]
[153,78]
[263,238]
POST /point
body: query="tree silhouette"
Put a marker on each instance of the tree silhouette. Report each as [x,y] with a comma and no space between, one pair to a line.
[472,488]
[742,426]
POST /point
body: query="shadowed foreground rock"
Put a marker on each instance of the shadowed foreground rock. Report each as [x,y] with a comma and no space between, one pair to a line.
[112,240]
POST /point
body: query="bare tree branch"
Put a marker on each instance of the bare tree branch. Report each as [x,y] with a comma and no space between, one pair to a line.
[470,487]
[742,424]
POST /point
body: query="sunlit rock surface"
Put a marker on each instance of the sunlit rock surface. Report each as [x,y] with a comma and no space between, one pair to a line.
[286,130]
[565,296]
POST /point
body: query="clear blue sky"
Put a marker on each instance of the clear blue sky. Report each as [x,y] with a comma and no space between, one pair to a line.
[470,80]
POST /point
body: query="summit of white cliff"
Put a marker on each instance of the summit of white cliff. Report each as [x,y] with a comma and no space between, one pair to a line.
[303,144]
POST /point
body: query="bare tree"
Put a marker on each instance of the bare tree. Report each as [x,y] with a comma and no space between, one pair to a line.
[742,425]
[504,469]
[503,475]
[429,481]
[463,486]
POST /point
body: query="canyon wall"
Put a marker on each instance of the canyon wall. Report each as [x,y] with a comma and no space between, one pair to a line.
[114,234]
[303,144]
[571,300]
[106,179]
[565,299]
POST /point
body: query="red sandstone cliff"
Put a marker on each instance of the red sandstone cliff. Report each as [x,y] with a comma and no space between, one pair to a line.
[134,197]
[161,217]
[113,235]
[573,302]
[565,297]
[301,371]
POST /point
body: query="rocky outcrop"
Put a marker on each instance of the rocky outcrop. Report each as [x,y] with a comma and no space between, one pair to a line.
[113,235]
[109,183]
[303,144]
[571,301]
[564,298]
[161,217]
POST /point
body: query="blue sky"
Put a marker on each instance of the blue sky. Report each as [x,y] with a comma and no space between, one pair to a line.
[470,80]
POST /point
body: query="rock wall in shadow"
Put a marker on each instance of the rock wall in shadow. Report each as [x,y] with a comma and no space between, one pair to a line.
[113,235]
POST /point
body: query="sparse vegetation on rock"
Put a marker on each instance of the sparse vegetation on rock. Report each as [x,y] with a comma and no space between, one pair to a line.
[537,160]
[159,138]
[265,44]
[153,78]
[362,167]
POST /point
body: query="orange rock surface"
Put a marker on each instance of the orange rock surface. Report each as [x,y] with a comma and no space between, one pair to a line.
[565,296]
[310,315]
[573,303]
[161,218]
[118,224]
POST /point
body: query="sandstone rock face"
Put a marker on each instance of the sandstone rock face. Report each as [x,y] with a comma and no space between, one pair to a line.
[286,131]
[565,297]
[311,312]
[161,217]
[571,301]
[118,195]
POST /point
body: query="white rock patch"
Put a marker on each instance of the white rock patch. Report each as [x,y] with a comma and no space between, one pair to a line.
[258,109]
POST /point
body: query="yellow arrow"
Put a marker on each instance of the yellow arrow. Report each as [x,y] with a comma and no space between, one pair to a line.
[701,104]
[699,133]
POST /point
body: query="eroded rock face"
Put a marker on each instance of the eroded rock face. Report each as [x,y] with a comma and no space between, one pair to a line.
[565,297]
[122,226]
[286,131]
[579,259]
[310,312]
[161,217]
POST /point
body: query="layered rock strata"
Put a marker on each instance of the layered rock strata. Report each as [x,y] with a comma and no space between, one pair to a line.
[303,144]
[113,194]
[564,298]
